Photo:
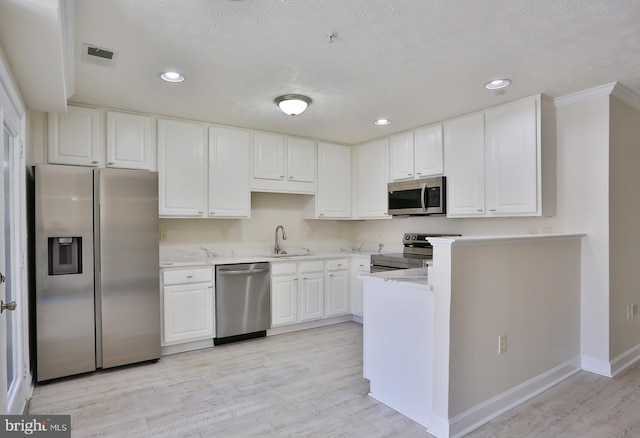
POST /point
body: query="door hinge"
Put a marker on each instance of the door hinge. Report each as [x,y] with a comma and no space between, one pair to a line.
[22,149]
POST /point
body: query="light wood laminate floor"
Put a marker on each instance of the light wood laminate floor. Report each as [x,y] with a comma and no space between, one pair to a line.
[306,383]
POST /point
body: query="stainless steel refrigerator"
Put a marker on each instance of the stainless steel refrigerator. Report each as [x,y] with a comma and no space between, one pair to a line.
[97,293]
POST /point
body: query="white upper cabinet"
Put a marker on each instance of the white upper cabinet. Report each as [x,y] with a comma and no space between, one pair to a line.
[283,164]
[333,198]
[428,154]
[182,168]
[502,162]
[74,137]
[371,175]
[268,156]
[229,164]
[464,158]
[511,153]
[416,154]
[129,141]
[301,160]
[401,157]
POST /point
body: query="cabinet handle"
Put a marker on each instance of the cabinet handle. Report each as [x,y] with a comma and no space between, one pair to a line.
[201,212]
[479,211]
[330,275]
[290,177]
[321,214]
[95,162]
[281,176]
[189,276]
[111,163]
[212,212]
[409,174]
[418,173]
[492,209]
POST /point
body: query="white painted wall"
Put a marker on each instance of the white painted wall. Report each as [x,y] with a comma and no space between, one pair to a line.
[529,291]
[624,238]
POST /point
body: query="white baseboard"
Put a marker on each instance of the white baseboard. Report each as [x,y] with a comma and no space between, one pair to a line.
[484,412]
[359,319]
[187,346]
[308,325]
[625,361]
[597,366]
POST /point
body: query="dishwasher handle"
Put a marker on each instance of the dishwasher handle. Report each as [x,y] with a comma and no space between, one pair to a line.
[241,271]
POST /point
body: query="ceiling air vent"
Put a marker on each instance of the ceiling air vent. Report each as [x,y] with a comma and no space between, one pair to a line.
[98,55]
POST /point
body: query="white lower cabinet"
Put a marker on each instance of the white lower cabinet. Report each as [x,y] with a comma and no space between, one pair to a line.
[309,290]
[187,305]
[311,296]
[337,287]
[359,265]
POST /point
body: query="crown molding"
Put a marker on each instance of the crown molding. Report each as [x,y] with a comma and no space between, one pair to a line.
[591,93]
[626,95]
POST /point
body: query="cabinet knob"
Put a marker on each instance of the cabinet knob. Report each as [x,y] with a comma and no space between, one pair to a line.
[290,177]
[281,176]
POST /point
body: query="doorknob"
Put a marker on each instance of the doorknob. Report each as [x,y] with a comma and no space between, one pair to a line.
[11,305]
[2,278]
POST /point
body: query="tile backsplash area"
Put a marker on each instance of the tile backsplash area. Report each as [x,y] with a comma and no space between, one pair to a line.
[268,210]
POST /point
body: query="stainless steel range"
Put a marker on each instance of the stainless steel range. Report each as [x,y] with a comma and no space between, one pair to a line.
[417,253]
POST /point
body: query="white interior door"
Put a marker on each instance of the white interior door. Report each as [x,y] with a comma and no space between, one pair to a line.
[4,335]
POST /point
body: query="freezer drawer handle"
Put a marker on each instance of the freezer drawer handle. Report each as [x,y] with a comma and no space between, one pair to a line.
[242,271]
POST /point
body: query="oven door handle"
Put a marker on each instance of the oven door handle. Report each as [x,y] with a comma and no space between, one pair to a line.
[422,196]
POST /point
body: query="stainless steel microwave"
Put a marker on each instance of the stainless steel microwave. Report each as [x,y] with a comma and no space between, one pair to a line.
[424,196]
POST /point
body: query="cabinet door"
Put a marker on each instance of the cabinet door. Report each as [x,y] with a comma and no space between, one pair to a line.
[337,293]
[401,157]
[284,300]
[311,297]
[181,168]
[464,161]
[512,157]
[301,160]
[129,142]
[428,153]
[74,137]
[229,180]
[268,156]
[359,265]
[188,312]
[372,177]
[334,181]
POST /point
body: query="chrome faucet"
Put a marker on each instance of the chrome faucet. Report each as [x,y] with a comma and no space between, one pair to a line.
[276,247]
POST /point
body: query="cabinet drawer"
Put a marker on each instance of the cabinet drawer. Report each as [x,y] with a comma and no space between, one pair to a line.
[283,268]
[361,265]
[337,265]
[315,266]
[187,276]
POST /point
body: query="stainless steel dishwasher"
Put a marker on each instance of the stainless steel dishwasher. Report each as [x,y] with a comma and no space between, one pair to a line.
[243,301]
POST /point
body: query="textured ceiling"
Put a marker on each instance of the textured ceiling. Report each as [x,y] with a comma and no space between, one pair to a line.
[412,61]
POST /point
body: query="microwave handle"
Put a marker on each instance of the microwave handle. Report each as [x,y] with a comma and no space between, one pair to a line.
[424,190]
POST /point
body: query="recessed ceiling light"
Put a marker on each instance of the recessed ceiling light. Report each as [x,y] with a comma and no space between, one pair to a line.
[382,122]
[497,84]
[172,76]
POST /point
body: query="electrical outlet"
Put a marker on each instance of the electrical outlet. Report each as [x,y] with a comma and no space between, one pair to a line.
[163,235]
[502,344]
[634,310]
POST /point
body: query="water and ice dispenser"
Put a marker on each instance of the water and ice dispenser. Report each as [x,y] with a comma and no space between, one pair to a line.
[65,255]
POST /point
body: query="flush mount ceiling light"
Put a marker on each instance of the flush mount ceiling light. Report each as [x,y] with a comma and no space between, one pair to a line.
[497,84]
[293,104]
[382,122]
[172,76]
